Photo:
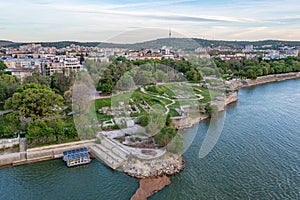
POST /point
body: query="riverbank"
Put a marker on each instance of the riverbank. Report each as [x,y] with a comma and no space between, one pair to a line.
[260,82]
[33,155]
[241,83]
[232,97]
[169,164]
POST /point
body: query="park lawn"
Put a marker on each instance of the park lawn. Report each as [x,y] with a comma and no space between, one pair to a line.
[100,103]
[102,118]
[174,113]
[139,96]
[172,89]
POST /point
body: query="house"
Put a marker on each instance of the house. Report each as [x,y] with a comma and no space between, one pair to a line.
[21,73]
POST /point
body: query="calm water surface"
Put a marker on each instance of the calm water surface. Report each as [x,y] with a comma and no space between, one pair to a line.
[256,157]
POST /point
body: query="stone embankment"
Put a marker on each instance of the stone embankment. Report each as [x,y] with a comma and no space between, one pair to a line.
[27,156]
[264,79]
[169,164]
[221,103]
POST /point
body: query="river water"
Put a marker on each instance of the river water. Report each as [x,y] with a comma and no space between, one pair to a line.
[256,156]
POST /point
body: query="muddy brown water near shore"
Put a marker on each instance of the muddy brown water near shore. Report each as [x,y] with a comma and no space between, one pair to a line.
[149,186]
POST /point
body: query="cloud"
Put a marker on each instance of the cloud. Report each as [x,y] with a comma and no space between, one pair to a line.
[99,20]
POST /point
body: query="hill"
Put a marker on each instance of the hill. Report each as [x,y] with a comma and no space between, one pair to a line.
[179,43]
[5,43]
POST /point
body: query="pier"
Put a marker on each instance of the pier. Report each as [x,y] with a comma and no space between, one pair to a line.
[77,157]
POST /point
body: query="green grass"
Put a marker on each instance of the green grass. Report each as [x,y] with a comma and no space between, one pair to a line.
[173,113]
[139,96]
[100,103]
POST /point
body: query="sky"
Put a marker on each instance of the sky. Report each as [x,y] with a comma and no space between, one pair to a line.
[128,21]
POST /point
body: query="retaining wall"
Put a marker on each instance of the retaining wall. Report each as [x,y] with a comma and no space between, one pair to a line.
[41,153]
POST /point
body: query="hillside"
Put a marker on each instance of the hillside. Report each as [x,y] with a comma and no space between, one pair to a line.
[5,43]
[179,43]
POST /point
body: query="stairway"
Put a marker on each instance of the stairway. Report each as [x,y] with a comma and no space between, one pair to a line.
[110,153]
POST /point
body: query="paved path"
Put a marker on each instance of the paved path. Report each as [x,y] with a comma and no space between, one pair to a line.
[161,97]
[3,112]
[173,101]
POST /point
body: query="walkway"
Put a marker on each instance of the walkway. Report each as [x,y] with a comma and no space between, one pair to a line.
[3,112]
[160,97]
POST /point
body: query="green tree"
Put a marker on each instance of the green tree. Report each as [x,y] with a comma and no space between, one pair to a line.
[61,82]
[8,85]
[144,120]
[105,85]
[125,83]
[2,65]
[211,109]
[39,131]
[37,79]
[35,102]
[193,75]
[161,76]
[251,74]
[164,137]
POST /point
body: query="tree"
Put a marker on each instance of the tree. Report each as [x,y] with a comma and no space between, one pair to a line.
[144,120]
[161,76]
[105,85]
[35,102]
[2,65]
[61,82]
[193,75]
[38,130]
[81,59]
[125,83]
[8,85]
[164,137]
[143,77]
[12,125]
[38,79]
[211,110]
[251,74]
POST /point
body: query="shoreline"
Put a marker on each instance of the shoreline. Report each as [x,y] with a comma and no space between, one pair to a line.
[55,151]
[239,84]
[152,182]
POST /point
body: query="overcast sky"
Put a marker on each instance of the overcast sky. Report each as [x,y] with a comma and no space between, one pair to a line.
[114,20]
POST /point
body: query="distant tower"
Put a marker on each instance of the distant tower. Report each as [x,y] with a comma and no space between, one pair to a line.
[170,33]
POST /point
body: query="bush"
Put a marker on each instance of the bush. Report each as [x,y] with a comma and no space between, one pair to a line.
[211,110]
[144,120]
[165,136]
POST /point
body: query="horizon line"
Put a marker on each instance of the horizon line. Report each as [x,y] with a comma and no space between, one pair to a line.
[192,38]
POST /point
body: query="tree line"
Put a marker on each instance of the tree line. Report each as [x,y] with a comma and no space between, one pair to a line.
[39,107]
[254,67]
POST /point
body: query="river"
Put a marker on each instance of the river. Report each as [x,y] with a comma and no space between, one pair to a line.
[256,156]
